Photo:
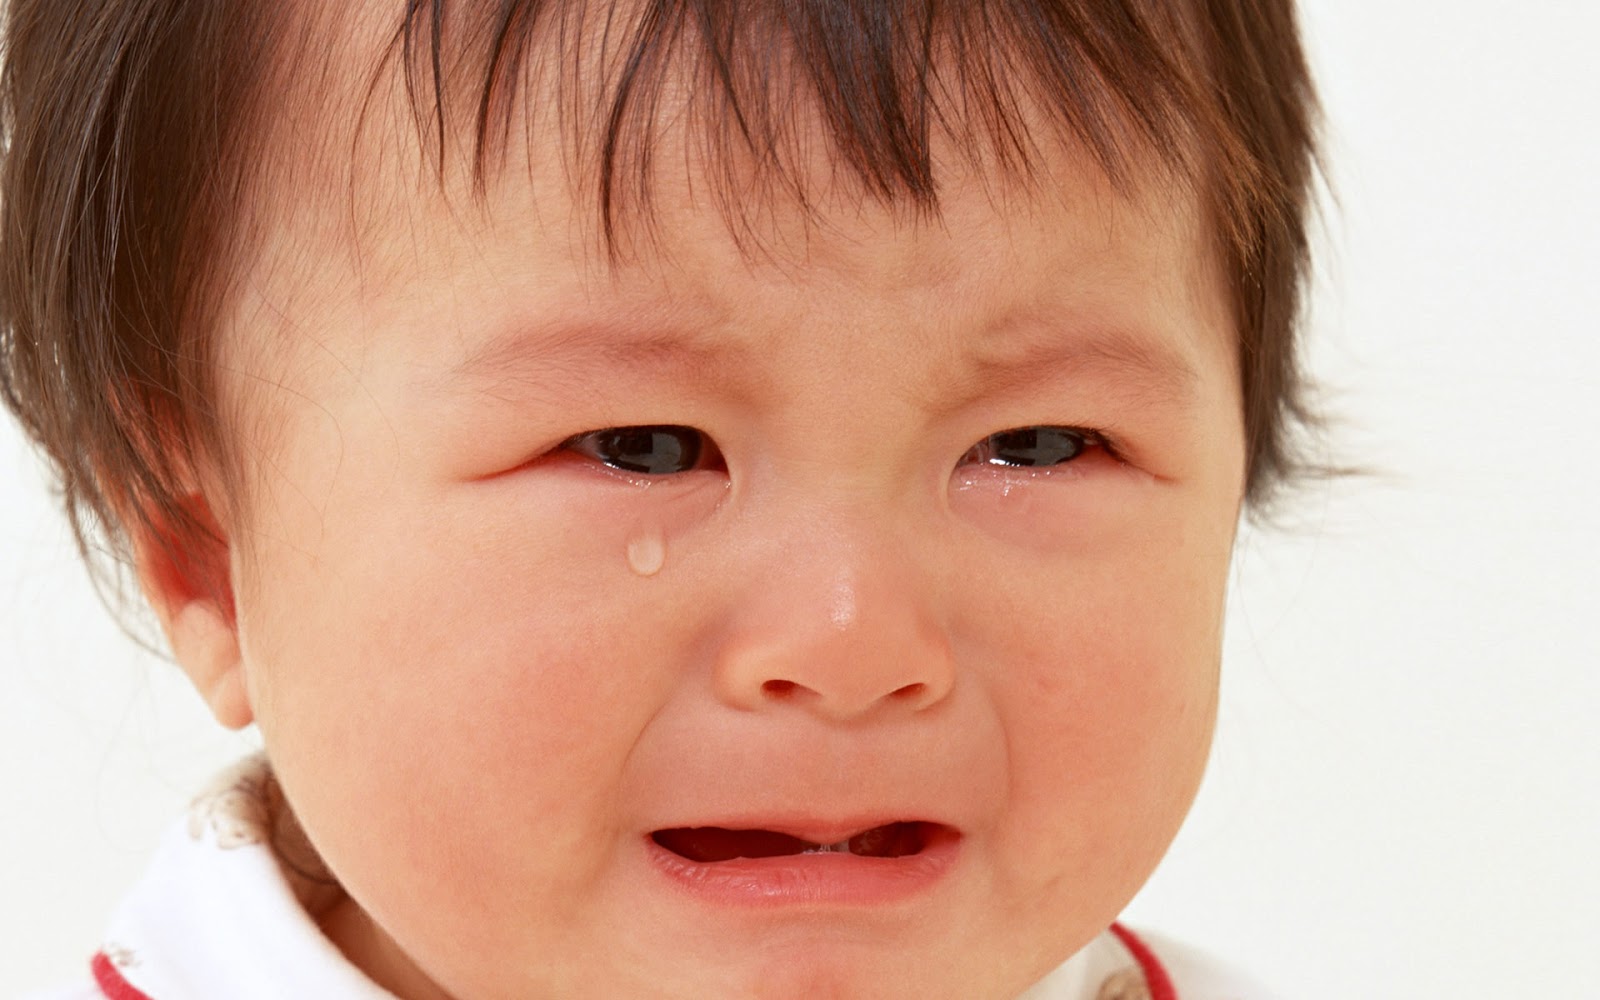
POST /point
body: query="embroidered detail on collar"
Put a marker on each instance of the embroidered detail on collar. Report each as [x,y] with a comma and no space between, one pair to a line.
[236,808]
[246,807]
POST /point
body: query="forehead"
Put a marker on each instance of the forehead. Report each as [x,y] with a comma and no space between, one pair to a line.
[998,273]
[757,113]
[380,218]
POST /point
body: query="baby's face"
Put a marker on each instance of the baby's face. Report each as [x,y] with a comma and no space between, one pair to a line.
[553,566]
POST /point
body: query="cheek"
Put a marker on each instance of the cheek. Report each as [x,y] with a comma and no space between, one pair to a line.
[1109,702]
[494,660]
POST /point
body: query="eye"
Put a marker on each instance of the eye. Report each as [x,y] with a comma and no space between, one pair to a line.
[661,450]
[1033,447]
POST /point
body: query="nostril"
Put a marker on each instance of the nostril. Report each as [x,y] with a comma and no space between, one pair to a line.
[778,689]
[910,692]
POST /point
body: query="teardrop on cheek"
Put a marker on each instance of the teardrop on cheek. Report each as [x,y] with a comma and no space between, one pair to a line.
[647,550]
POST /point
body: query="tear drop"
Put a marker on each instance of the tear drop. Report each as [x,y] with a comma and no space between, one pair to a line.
[647,551]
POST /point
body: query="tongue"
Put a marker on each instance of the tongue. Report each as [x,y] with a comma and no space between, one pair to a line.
[712,843]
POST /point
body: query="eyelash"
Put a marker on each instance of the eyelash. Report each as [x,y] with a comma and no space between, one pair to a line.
[1079,439]
[693,448]
[628,449]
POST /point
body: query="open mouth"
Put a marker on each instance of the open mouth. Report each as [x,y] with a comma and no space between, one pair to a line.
[706,844]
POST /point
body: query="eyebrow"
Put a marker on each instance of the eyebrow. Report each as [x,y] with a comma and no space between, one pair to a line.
[566,357]
[1147,368]
[563,358]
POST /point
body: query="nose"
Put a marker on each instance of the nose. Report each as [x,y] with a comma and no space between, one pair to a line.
[838,626]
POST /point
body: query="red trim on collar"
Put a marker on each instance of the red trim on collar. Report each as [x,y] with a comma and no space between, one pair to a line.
[110,980]
[1155,975]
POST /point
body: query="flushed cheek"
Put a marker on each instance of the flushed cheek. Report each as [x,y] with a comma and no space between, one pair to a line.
[492,601]
[1108,707]
[1103,779]
[466,692]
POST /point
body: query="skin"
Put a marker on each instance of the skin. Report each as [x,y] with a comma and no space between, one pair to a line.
[478,709]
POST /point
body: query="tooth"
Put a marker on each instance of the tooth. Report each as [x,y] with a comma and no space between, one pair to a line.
[842,847]
[871,841]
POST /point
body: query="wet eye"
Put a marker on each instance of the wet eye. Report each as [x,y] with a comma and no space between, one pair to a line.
[1032,447]
[652,451]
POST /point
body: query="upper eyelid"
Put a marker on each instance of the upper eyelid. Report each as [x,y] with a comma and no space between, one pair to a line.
[1094,439]
[1093,436]
[596,431]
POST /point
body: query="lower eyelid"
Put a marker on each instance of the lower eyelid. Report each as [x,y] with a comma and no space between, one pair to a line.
[1096,458]
[1076,468]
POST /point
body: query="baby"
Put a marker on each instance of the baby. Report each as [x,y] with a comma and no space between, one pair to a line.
[701,499]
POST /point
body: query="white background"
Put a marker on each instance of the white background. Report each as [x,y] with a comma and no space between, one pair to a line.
[1403,799]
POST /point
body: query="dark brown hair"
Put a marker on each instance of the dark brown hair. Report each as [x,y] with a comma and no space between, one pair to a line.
[131,131]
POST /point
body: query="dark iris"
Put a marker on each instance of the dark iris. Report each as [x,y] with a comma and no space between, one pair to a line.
[1031,447]
[652,451]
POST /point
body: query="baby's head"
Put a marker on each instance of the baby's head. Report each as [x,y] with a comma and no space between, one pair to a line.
[597,441]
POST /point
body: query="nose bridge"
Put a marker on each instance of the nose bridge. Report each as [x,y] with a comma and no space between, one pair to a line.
[840,618]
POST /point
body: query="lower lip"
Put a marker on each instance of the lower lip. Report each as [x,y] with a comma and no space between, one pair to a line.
[821,879]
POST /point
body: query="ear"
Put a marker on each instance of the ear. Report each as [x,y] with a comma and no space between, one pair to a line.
[190,587]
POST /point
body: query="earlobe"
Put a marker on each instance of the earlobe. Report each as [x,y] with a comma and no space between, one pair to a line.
[191,593]
[206,645]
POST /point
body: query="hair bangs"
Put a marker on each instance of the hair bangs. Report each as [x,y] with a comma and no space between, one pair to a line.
[888,87]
